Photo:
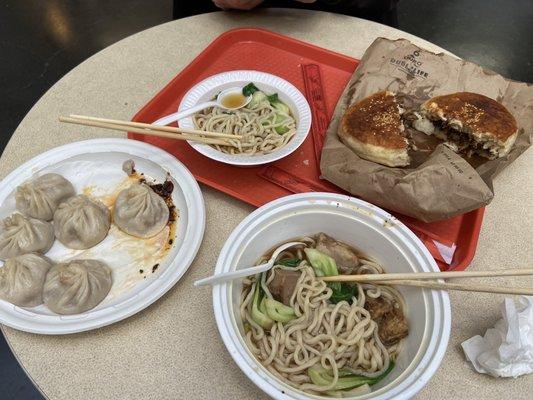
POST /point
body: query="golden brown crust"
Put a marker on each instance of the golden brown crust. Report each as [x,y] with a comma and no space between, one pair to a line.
[477,113]
[376,121]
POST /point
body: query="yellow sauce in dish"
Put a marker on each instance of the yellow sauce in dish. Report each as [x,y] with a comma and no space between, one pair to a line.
[233,100]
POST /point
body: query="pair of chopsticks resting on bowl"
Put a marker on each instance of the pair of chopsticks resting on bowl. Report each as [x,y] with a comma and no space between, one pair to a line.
[418,279]
[169,132]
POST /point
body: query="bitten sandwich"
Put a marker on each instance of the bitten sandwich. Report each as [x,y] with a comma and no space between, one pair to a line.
[374,130]
[469,123]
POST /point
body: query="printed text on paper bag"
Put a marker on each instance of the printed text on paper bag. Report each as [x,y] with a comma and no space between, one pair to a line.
[410,64]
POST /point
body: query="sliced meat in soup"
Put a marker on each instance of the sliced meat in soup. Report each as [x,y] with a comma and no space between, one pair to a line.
[392,327]
[378,307]
[344,256]
[283,284]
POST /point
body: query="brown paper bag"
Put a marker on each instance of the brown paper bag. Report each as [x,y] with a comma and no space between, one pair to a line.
[439,184]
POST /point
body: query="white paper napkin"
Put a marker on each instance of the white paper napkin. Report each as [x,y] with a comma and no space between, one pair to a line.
[507,349]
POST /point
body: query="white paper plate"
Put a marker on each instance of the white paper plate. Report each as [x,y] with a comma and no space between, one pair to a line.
[210,87]
[95,165]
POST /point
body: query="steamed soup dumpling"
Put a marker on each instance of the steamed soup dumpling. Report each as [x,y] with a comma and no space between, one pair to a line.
[39,197]
[141,212]
[81,223]
[22,279]
[22,235]
[76,286]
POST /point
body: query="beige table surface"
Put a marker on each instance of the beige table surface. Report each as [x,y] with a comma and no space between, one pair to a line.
[172,349]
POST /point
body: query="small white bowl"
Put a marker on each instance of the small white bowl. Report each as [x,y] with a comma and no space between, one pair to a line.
[370,230]
[210,87]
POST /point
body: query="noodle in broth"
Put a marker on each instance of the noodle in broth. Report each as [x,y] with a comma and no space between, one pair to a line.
[264,128]
[340,338]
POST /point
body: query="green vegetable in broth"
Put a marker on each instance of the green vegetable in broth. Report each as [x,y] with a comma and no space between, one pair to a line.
[282,108]
[342,292]
[249,89]
[289,262]
[273,98]
[358,391]
[266,310]
[257,98]
[278,311]
[347,380]
[281,119]
[278,105]
[259,314]
[323,264]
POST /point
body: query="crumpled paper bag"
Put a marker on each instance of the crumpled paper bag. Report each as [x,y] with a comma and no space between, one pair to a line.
[507,349]
[439,183]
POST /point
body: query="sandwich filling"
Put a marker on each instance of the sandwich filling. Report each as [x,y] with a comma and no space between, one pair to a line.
[459,140]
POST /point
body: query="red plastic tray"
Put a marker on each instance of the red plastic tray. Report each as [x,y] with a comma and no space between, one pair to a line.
[280,55]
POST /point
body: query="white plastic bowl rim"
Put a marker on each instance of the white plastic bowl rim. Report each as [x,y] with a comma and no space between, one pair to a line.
[438,319]
[287,92]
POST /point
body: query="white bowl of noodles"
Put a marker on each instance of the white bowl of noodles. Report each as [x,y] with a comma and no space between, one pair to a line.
[252,155]
[374,233]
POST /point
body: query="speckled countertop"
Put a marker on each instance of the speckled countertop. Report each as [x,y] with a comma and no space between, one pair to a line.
[172,349]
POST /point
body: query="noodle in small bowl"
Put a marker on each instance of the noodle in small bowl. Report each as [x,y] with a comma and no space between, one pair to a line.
[269,132]
[312,334]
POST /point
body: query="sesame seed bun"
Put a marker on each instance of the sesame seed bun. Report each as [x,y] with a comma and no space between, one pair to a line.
[373,129]
[481,119]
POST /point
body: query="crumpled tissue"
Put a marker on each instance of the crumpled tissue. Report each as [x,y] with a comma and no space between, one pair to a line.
[507,349]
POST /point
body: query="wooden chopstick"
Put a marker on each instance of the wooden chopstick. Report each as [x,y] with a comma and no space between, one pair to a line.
[148,132]
[427,275]
[462,287]
[157,127]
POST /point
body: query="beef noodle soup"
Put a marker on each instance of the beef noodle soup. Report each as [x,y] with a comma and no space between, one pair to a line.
[334,339]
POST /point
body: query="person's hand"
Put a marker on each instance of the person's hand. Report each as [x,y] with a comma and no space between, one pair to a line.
[245,4]
[237,4]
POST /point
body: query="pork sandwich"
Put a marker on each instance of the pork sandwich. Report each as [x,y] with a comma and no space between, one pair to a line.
[469,123]
[374,130]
